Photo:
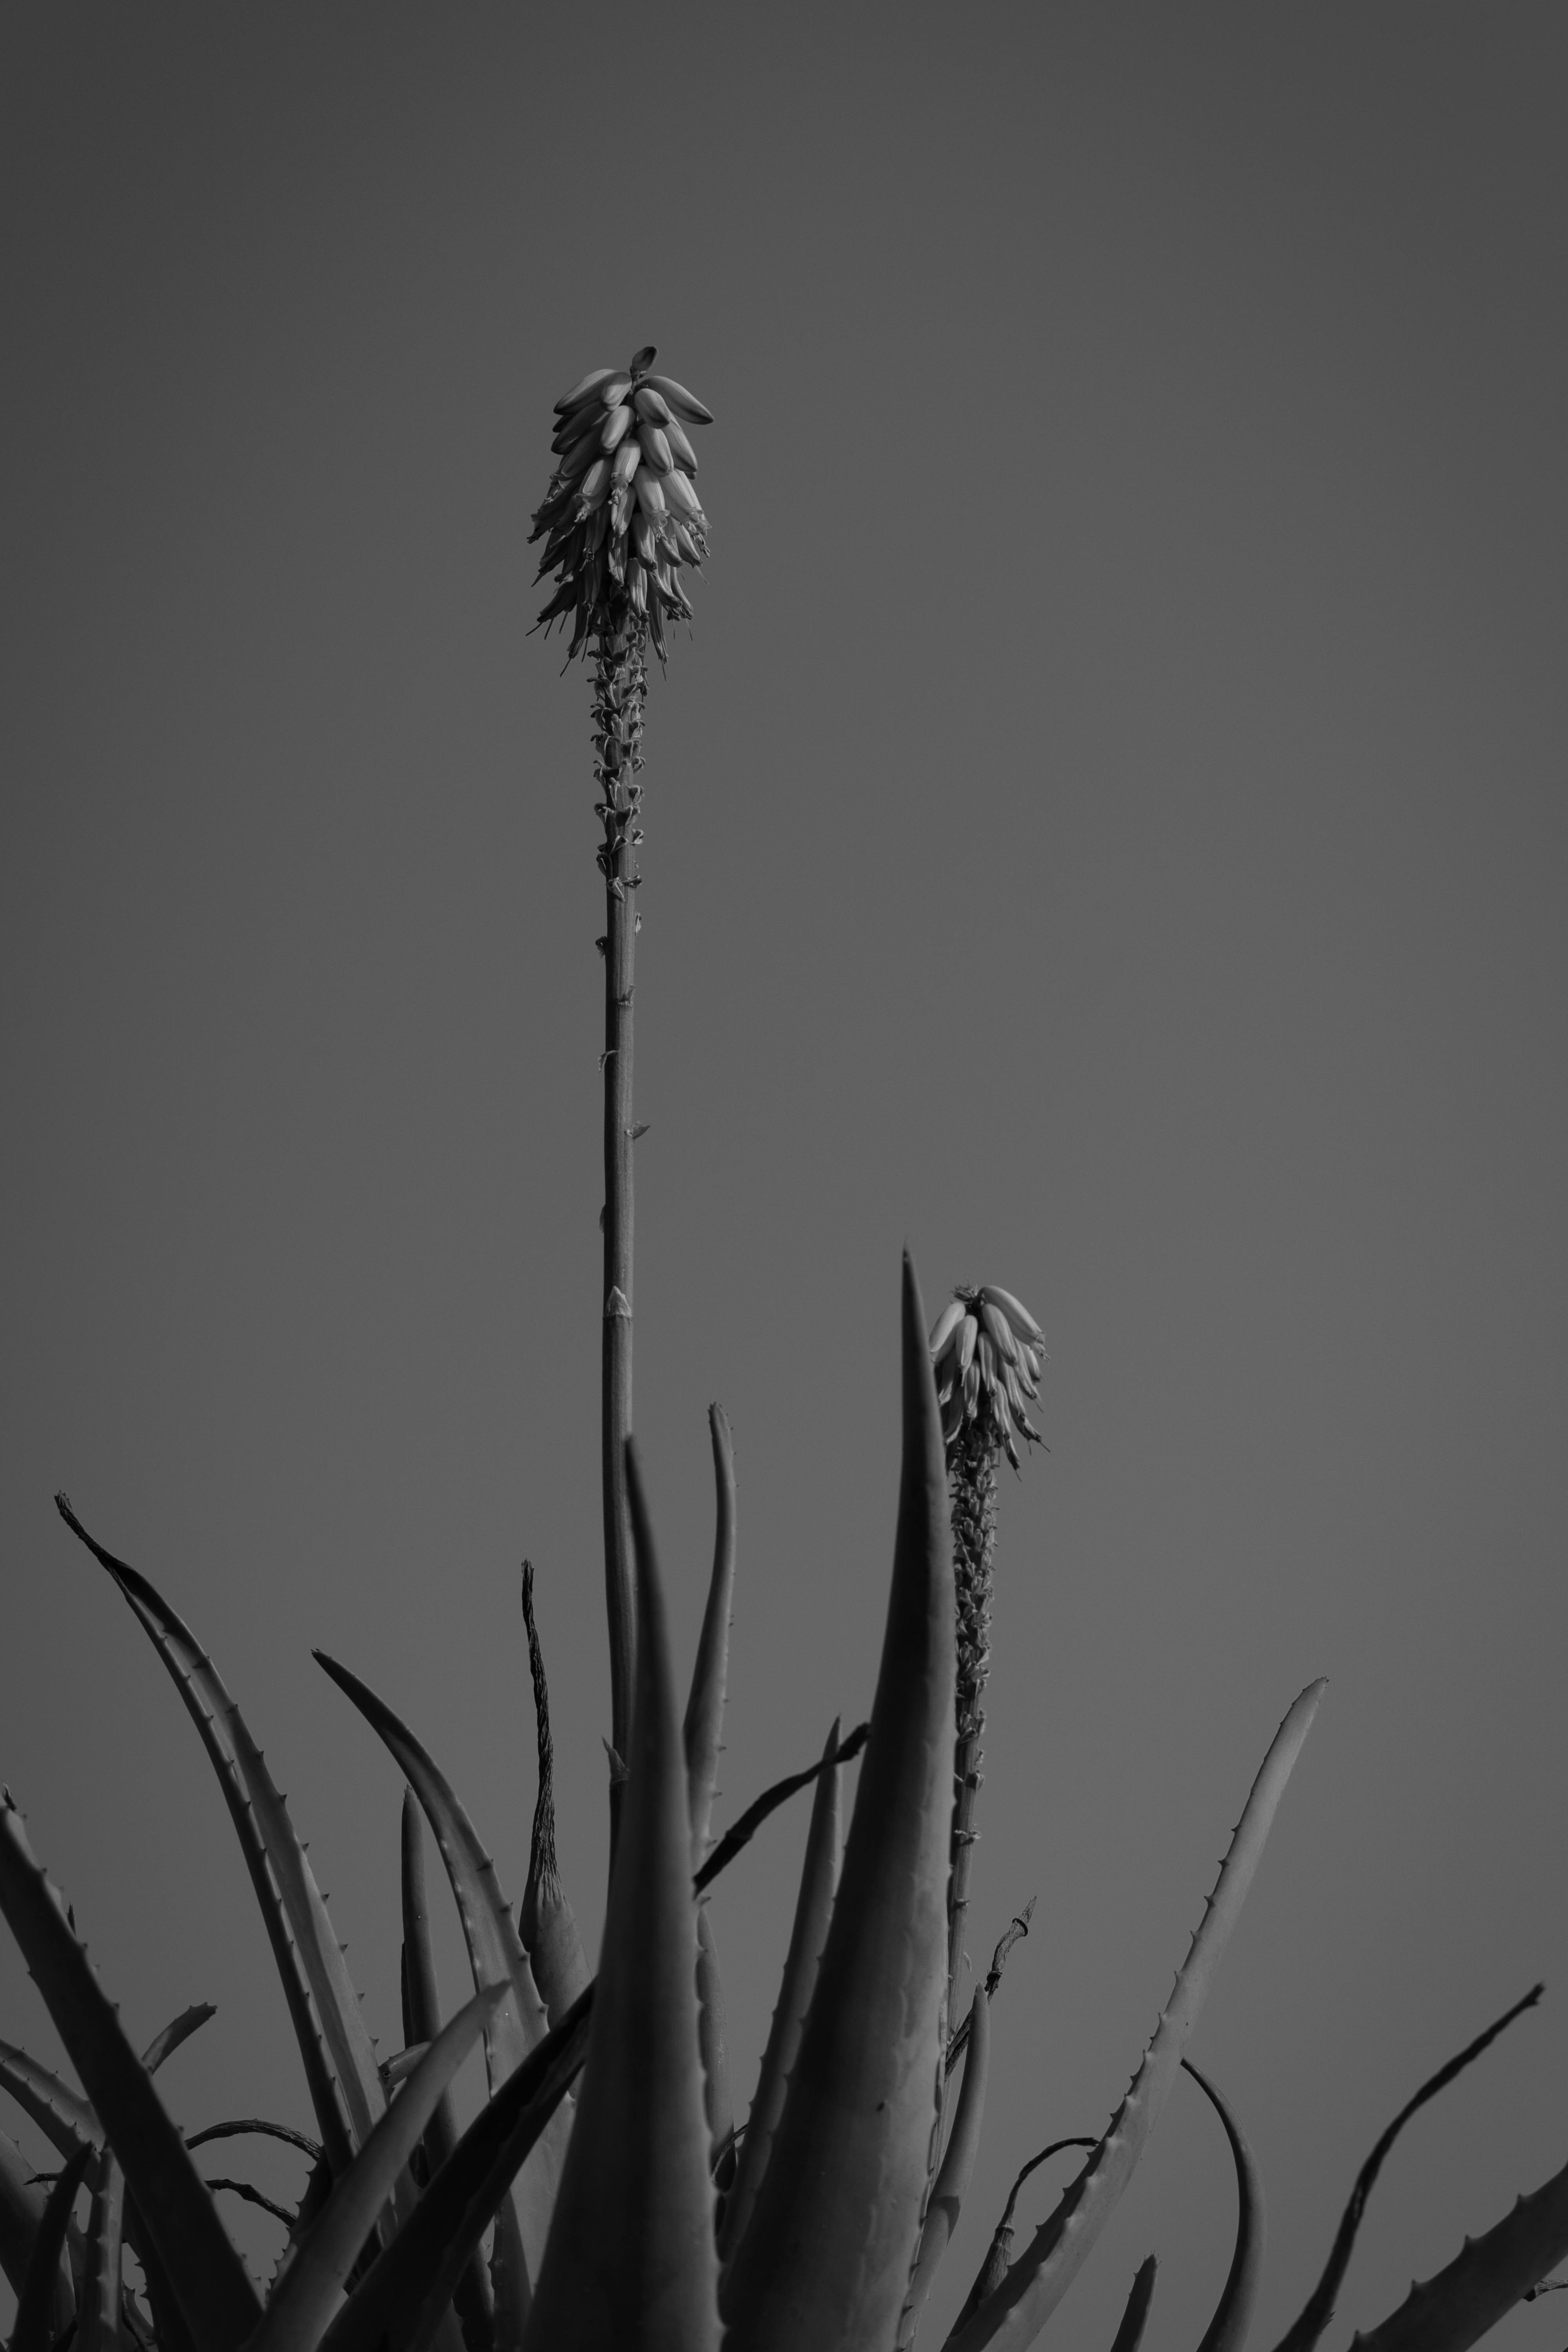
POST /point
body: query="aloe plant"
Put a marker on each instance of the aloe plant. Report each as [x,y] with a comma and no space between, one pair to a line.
[615,2214]
[607,2194]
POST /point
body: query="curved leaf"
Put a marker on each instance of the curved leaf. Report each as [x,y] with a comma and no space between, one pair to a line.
[171,2329]
[717,2102]
[545,1922]
[739,1834]
[471,2297]
[495,1955]
[21,2217]
[999,2253]
[62,2115]
[1227,2330]
[102,2327]
[36,2303]
[1451,2312]
[208,2277]
[812,1910]
[242,2125]
[630,2260]
[310,2289]
[1318,2309]
[704,1721]
[957,2164]
[1135,2318]
[69,2122]
[701,1734]
[495,1950]
[1019,2307]
[178,2031]
[329,2045]
[825,2261]
[398,2304]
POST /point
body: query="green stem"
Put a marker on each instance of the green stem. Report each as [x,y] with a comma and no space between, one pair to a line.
[620,686]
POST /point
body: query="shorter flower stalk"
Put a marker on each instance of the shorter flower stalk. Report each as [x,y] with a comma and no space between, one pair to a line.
[986,1354]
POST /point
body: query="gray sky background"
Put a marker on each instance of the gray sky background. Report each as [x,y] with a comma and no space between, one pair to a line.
[1107,828]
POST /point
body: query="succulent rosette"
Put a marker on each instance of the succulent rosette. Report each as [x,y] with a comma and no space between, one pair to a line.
[988,1350]
[621,519]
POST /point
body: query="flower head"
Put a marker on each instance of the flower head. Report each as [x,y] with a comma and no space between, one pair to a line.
[986,1351]
[620,520]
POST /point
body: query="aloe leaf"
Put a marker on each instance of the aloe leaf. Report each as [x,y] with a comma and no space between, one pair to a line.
[825,2261]
[1318,2309]
[1019,2307]
[957,2164]
[1227,2330]
[545,1922]
[223,1732]
[21,2217]
[495,1951]
[702,1736]
[242,2125]
[178,2031]
[311,2287]
[1450,2312]
[704,1721]
[812,1910]
[35,2305]
[1135,2318]
[495,1955]
[512,2275]
[631,2260]
[398,2304]
[62,2115]
[208,2275]
[718,2104]
[999,2253]
[740,1833]
[102,2327]
[474,2309]
[172,2331]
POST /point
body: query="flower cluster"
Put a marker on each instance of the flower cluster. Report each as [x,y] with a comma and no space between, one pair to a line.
[621,519]
[987,1350]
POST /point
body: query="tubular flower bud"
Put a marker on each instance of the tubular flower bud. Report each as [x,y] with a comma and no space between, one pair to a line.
[620,517]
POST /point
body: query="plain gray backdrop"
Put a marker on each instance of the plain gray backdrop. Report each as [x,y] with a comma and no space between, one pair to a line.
[1106,827]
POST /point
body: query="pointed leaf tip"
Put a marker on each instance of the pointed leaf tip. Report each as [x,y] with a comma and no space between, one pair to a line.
[1135,2318]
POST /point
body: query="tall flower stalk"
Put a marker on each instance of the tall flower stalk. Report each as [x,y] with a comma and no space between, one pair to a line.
[621,522]
[986,1353]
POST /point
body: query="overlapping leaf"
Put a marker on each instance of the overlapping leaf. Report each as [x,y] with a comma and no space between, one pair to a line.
[826,2259]
[1019,2307]
[208,2276]
[630,2261]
